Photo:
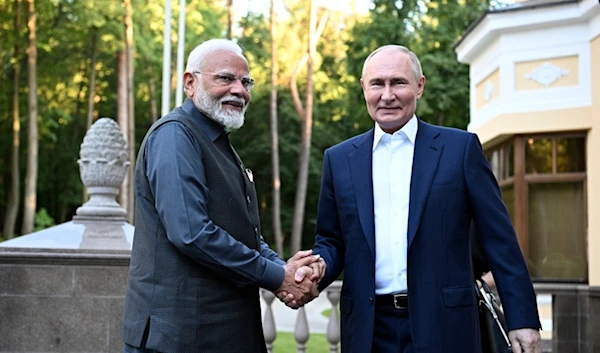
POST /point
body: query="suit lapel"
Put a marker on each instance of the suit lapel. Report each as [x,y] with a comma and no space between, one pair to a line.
[361,162]
[428,149]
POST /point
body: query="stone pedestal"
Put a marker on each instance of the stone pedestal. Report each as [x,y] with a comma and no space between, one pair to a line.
[62,301]
[62,289]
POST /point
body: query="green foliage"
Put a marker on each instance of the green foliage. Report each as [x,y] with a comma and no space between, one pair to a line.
[43,220]
[446,97]
[65,30]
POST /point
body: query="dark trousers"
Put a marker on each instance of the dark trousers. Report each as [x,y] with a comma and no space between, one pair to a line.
[131,349]
[392,330]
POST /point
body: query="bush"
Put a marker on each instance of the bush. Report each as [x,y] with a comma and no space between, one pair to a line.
[43,220]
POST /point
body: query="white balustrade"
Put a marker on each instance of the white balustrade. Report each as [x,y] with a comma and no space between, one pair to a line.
[302,327]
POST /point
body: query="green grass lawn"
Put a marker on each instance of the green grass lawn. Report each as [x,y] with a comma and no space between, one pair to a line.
[285,343]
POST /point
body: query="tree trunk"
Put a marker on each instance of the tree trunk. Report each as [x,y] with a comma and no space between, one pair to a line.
[130,110]
[276,207]
[30,196]
[229,19]
[152,91]
[122,110]
[180,54]
[12,206]
[306,127]
[166,71]
[91,90]
[92,87]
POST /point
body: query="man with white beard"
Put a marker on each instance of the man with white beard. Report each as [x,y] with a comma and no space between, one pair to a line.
[198,257]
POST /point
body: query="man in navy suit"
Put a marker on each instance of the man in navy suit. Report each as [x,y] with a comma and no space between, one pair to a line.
[394,213]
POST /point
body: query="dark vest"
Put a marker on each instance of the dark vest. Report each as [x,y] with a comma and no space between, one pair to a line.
[173,303]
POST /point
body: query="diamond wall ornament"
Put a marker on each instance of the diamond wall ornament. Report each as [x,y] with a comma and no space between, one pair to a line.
[488,90]
[546,74]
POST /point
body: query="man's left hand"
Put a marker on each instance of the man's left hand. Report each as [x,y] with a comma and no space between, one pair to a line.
[525,340]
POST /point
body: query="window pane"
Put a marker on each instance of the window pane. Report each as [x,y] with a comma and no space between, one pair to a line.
[510,160]
[508,196]
[538,156]
[570,154]
[495,164]
[501,165]
[557,247]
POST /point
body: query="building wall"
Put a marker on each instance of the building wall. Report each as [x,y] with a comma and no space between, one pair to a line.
[532,71]
[560,120]
[535,69]
[567,74]
[593,170]
[550,76]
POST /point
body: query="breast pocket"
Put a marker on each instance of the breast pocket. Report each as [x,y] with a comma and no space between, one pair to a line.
[448,186]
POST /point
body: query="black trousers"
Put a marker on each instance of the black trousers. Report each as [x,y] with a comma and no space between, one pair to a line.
[392,330]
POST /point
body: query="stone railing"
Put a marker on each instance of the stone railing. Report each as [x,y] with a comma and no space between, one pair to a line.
[302,327]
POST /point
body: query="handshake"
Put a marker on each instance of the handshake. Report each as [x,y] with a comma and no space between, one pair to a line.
[303,272]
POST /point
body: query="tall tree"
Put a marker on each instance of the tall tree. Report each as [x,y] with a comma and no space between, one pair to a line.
[152,94]
[230,19]
[92,84]
[130,137]
[12,207]
[32,131]
[122,118]
[276,207]
[305,113]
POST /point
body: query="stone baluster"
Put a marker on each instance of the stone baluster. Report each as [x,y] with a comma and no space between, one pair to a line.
[333,326]
[269,328]
[301,332]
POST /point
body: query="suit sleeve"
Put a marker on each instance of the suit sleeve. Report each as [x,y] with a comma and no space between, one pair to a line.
[329,242]
[176,176]
[268,253]
[498,240]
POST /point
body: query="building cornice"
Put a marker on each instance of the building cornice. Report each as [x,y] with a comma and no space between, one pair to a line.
[527,16]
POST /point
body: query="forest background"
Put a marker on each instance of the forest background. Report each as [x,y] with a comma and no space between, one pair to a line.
[66,63]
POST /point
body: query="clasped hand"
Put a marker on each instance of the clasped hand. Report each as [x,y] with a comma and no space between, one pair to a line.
[303,272]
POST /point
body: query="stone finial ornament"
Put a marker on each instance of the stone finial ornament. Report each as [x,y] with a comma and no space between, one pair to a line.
[103,165]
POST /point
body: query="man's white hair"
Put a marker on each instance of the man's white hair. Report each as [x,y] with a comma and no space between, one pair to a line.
[198,56]
[415,63]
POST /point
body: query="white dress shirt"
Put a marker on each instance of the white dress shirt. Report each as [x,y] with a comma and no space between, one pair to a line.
[392,170]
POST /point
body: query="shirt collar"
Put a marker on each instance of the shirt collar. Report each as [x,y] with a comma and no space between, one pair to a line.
[212,129]
[409,130]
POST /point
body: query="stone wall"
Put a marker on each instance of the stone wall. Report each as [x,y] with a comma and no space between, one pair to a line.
[576,317]
[61,300]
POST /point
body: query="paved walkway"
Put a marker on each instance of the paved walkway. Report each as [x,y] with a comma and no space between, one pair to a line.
[285,318]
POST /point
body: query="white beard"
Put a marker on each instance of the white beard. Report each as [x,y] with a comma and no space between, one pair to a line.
[213,108]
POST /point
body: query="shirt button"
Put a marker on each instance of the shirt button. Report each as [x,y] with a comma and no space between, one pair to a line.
[248,199]
[370,300]
[255,230]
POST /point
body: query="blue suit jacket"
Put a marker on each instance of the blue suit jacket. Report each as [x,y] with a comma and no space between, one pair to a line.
[451,184]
